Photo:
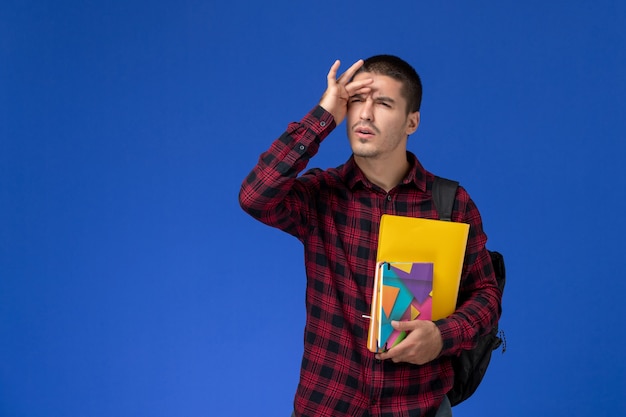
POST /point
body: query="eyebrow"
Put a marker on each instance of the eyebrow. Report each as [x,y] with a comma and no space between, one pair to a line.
[378,99]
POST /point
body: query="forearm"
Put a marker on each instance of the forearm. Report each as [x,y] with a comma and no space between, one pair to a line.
[267,191]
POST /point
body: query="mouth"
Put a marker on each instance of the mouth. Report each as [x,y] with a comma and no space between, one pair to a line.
[364,131]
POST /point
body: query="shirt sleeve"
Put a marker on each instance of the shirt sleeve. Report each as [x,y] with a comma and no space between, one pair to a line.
[479,302]
[271,193]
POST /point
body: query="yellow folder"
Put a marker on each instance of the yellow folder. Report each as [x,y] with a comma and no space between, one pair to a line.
[442,243]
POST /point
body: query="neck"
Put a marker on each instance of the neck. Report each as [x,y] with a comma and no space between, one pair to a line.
[384,172]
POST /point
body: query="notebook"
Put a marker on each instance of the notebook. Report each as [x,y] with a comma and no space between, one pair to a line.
[402,291]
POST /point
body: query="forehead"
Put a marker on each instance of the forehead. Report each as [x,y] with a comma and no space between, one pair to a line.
[382,84]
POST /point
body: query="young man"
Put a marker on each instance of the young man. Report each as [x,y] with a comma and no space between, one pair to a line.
[336,214]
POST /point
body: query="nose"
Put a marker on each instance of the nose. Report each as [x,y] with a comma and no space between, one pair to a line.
[366,110]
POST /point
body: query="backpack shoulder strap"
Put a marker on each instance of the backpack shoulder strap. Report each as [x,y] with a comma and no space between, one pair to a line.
[444,192]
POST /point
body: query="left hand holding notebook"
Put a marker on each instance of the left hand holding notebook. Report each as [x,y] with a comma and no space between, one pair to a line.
[422,344]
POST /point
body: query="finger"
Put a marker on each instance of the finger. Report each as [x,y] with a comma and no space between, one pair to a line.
[404,326]
[382,356]
[394,354]
[359,87]
[347,76]
[332,73]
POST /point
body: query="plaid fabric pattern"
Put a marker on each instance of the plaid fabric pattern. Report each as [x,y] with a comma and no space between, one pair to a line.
[336,213]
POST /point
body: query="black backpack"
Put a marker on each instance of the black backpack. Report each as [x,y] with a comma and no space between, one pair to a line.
[471,365]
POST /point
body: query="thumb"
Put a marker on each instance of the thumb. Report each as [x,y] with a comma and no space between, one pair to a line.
[402,326]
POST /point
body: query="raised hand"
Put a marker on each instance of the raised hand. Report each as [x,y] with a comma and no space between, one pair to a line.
[339,90]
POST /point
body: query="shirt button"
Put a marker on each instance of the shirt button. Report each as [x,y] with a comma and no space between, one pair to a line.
[322,123]
[388,198]
[302,147]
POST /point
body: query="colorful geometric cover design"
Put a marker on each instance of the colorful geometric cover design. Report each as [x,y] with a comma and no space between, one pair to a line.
[405,294]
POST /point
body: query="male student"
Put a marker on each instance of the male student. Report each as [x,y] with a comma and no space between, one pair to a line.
[335,213]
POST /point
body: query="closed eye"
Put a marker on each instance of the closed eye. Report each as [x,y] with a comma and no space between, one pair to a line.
[385,102]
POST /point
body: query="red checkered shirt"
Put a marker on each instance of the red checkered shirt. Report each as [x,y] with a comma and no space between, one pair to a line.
[336,214]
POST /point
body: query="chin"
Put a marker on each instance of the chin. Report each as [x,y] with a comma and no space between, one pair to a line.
[365,153]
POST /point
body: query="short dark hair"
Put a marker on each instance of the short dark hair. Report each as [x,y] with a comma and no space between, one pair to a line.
[400,70]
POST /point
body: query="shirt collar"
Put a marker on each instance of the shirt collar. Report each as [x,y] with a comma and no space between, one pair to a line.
[353,175]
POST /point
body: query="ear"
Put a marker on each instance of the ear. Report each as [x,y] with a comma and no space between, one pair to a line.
[413,121]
